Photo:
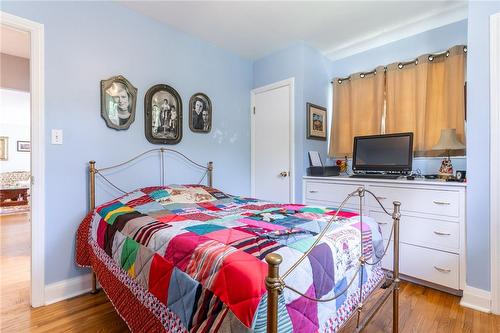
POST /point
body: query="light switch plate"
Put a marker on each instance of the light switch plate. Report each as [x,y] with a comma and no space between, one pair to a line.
[57,136]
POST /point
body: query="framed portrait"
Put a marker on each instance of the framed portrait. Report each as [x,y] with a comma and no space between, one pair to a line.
[316,122]
[163,115]
[200,113]
[4,148]
[23,146]
[118,101]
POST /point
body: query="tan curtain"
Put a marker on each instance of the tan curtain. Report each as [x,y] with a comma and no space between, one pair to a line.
[340,133]
[358,105]
[426,97]
[406,100]
[445,96]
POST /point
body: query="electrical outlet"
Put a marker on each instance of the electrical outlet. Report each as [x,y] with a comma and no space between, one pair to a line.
[57,136]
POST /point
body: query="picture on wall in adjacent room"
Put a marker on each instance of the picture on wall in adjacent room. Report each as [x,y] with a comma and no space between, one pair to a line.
[4,148]
[118,100]
[200,113]
[24,146]
[163,115]
[316,122]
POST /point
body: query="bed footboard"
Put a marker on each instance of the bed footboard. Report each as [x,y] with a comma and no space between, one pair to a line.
[275,283]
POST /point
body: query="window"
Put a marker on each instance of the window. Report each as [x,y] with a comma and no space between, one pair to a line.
[422,96]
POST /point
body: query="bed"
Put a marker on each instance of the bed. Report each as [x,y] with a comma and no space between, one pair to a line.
[179,258]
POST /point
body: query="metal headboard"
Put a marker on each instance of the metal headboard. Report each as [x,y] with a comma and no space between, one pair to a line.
[93,171]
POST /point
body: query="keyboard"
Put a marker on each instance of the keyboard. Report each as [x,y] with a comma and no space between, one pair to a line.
[375,175]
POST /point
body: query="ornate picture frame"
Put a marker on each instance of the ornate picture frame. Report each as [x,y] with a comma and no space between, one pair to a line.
[200,113]
[316,122]
[163,115]
[118,102]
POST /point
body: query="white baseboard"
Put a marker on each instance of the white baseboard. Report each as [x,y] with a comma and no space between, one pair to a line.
[65,289]
[473,298]
[476,299]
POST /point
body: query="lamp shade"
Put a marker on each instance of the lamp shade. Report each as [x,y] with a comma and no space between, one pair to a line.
[448,140]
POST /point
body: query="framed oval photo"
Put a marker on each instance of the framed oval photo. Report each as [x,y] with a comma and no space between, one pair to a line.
[163,115]
[118,100]
[200,113]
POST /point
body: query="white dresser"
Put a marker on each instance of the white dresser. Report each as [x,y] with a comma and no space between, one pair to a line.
[432,237]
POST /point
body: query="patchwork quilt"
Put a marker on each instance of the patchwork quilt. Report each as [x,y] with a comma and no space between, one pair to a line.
[191,258]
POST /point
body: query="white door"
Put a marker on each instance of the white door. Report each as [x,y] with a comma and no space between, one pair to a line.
[272,142]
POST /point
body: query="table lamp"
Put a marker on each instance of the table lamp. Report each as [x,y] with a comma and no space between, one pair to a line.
[448,141]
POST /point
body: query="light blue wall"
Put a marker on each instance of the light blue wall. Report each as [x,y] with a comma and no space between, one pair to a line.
[405,49]
[310,71]
[279,66]
[317,90]
[86,42]
[478,97]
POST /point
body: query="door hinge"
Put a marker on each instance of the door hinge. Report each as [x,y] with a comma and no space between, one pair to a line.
[32,180]
[254,110]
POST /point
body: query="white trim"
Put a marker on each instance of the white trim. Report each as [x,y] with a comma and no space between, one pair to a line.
[68,288]
[375,39]
[495,160]
[291,84]
[476,299]
[36,31]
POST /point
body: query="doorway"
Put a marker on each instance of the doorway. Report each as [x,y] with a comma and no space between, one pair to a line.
[34,146]
[15,171]
[272,131]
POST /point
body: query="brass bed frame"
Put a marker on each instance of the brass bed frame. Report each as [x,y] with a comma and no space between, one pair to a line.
[275,283]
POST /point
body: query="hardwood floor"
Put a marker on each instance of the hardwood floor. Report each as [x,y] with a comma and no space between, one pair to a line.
[15,266]
[421,309]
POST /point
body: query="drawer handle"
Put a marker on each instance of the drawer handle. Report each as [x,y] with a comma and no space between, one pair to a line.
[381,198]
[441,233]
[442,270]
[441,203]
[313,191]
[381,222]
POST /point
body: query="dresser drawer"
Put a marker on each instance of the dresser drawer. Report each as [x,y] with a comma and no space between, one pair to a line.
[331,193]
[436,202]
[433,233]
[425,264]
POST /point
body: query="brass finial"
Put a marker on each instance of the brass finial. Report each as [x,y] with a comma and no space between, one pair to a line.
[274,259]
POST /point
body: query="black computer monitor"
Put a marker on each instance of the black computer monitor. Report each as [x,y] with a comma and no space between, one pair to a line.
[383,153]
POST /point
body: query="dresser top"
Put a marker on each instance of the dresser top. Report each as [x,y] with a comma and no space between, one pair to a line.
[416,181]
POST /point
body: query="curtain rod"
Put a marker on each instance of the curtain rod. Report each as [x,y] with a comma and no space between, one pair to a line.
[401,65]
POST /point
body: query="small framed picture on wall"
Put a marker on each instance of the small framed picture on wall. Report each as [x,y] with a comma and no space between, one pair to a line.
[24,146]
[200,113]
[4,148]
[316,122]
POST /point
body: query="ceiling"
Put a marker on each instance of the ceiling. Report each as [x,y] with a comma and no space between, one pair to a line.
[254,29]
[14,42]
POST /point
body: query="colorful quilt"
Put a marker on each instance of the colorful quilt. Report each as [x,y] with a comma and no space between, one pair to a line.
[191,258]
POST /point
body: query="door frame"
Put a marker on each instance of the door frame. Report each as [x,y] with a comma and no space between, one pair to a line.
[36,31]
[290,82]
[495,160]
